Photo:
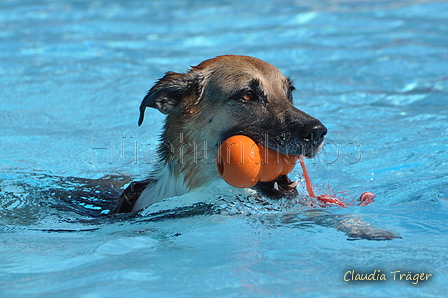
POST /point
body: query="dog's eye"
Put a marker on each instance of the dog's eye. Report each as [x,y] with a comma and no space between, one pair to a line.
[248,95]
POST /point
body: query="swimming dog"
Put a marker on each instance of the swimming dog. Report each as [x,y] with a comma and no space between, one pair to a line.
[221,97]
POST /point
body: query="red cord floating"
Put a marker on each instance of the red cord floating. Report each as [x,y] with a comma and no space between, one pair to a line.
[327,200]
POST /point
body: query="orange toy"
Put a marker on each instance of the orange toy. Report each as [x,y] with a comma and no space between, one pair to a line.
[243,163]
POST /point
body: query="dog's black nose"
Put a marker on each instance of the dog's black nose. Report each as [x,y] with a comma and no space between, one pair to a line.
[313,132]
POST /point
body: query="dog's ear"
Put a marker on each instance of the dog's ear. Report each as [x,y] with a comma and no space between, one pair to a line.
[166,95]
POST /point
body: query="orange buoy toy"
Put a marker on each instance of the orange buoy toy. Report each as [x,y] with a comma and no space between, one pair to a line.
[243,163]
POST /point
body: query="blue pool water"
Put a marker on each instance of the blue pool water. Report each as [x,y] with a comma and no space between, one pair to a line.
[73,74]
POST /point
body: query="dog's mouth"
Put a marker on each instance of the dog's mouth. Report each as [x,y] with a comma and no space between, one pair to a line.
[282,186]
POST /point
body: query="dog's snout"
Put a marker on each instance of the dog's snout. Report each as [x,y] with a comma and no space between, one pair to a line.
[313,132]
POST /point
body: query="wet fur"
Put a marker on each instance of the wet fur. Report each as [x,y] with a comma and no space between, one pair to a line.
[221,97]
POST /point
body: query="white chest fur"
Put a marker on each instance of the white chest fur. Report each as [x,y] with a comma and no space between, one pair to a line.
[167,185]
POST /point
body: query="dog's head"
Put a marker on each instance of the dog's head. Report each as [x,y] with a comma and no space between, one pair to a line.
[231,95]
